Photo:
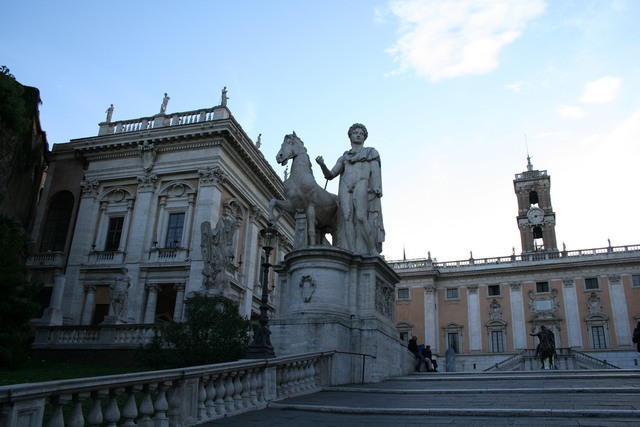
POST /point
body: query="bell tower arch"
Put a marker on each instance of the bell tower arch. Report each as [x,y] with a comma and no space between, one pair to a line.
[536,218]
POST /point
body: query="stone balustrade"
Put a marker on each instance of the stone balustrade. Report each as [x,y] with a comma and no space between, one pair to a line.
[46,260]
[163,120]
[423,263]
[103,336]
[106,257]
[168,255]
[176,397]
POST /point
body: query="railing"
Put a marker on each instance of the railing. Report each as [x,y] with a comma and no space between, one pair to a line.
[113,336]
[177,397]
[46,260]
[106,257]
[364,356]
[531,174]
[163,120]
[168,254]
[590,360]
[424,263]
[509,363]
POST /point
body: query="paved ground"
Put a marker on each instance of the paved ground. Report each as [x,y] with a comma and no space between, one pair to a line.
[532,399]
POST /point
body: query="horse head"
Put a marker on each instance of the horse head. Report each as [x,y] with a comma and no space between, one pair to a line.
[290,148]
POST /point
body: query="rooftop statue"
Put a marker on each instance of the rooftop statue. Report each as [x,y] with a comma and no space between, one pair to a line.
[224,97]
[304,195]
[165,101]
[109,113]
[360,229]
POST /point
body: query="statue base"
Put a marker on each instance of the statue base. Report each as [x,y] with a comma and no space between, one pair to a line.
[331,299]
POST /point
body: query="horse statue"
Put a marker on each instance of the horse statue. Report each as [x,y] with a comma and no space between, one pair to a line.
[304,195]
[546,349]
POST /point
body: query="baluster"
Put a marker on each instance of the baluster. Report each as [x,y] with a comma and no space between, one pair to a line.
[237,391]
[309,375]
[298,377]
[220,392]
[202,397]
[260,380]
[146,406]
[77,418]
[95,414]
[228,397]
[175,404]
[253,388]
[211,397]
[287,379]
[280,381]
[130,410]
[57,418]
[304,378]
[246,390]
[161,405]
[112,413]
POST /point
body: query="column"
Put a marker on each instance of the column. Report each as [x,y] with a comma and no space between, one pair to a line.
[619,310]
[251,258]
[89,304]
[207,209]
[125,226]
[85,223]
[571,313]
[187,222]
[152,301]
[160,226]
[140,219]
[473,319]
[430,317]
[517,316]
[179,306]
[53,314]
[98,230]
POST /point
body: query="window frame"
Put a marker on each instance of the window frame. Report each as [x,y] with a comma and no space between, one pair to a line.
[588,280]
[545,283]
[452,298]
[107,240]
[168,230]
[403,298]
[492,344]
[635,280]
[498,287]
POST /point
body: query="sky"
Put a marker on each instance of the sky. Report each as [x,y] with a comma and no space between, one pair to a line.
[449,90]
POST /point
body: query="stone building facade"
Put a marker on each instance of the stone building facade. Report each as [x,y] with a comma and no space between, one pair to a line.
[487,308]
[119,231]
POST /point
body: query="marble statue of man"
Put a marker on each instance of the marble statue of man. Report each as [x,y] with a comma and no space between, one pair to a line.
[165,101]
[109,113]
[224,98]
[360,227]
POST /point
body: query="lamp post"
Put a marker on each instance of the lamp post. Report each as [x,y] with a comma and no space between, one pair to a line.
[260,347]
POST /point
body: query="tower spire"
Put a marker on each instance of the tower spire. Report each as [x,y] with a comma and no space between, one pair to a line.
[526,143]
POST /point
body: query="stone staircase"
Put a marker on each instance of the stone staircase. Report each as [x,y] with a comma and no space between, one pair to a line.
[560,397]
[567,359]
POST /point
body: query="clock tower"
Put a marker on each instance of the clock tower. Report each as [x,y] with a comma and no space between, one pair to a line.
[536,219]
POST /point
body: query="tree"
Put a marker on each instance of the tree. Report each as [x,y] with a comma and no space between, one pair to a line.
[17,295]
[214,332]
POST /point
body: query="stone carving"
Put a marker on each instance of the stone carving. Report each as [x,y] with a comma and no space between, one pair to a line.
[148,154]
[109,113]
[147,182]
[568,283]
[211,175]
[360,225]
[614,279]
[119,299]
[385,299]
[544,307]
[165,101]
[224,98]
[259,142]
[304,195]
[546,348]
[307,288]
[594,305]
[515,286]
[495,310]
[89,186]
[218,248]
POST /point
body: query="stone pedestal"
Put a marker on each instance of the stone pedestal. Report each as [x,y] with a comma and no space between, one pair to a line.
[330,299]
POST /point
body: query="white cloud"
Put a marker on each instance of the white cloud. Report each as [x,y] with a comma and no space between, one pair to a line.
[570,111]
[450,38]
[602,90]
[515,86]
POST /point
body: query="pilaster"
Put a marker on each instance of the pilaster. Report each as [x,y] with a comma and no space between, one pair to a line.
[473,319]
[572,313]
[619,311]
[517,316]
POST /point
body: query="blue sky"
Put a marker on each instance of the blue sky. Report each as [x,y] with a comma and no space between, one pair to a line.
[447,89]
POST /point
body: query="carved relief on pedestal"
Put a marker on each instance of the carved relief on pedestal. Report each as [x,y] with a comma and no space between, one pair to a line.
[307,288]
[385,299]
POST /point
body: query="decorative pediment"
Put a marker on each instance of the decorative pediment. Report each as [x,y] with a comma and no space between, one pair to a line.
[116,195]
[177,189]
[594,308]
[544,306]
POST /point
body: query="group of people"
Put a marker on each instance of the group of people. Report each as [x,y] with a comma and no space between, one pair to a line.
[423,354]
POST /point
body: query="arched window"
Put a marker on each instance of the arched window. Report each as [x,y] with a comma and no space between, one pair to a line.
[56,226]
[533,197]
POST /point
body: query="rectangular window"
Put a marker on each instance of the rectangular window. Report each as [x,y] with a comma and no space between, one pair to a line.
[635,280]
[403,293]
[174,230]
[542,287]
[591,283]
[113,233]
[493,290]
[452,293]
[597,335]
[497,341]
[453,341]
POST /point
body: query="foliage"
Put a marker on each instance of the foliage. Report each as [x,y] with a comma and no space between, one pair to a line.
[13,109]
[214,332]
[17,295]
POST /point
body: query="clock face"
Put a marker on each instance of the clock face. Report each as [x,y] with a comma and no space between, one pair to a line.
[535,215]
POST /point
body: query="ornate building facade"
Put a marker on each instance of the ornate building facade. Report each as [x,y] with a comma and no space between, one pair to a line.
[487,308]
[134,220]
